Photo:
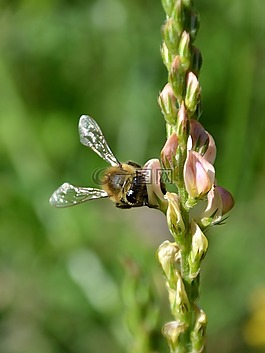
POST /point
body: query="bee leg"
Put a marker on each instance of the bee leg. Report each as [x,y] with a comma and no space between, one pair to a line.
[146,203]
[134,164]
[152,206]
[122,205]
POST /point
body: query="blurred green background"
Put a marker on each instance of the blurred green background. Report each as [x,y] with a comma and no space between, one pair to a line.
[86,279]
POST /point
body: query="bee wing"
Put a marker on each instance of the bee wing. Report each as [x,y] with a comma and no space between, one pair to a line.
[92,136]
[68,195]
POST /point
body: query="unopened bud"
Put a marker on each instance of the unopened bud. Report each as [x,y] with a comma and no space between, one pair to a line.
[178,298]
[182,124]
[201,141]
[172,331]
[178,15]
[167,57]
[168,153]
[198,337]
[154,184]
[199,246]
[213,211]
[177,78]
[167,254]
[227,199]
[210,153]
[184,50]
[199,138]
[167,102]
[219,202]
[168,6]
[192,93]
[174,217]
[170,36]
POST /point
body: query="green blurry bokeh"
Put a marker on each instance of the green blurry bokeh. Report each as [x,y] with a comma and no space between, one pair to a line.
[71,280]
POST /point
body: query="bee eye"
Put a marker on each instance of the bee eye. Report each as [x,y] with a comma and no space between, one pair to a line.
[130,196]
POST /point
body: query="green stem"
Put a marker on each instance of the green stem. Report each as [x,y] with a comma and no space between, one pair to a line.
[180,101]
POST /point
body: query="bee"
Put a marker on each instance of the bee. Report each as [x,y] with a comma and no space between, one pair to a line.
[123,183]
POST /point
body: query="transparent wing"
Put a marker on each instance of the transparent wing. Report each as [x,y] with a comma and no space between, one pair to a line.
[68,195]
[92,136]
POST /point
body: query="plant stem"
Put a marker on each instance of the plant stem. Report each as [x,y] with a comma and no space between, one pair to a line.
[179,102]
[198,202]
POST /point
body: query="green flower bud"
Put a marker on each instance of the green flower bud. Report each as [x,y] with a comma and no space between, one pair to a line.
[199,246]
[182,304]
[170,36]
[168,6]
[174,218]
[184,50]
[177,78]
[167,254]
[172,331]
[179,16]
[198,334]
[192,92]
[167,102]
[178,298]
[167,57]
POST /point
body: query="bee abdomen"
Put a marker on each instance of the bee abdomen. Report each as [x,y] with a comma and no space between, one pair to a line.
[137,193]
[131,196]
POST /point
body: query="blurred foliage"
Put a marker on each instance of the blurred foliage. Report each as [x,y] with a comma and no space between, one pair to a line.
[64,285]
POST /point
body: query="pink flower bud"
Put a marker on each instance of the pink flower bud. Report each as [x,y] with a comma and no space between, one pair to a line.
[213,211]
[153,172]
[167,102]
[227,199]
[169,150]
[182,124]
[201,141]
[198,135]
[219,202]
[210,153]
[199,175]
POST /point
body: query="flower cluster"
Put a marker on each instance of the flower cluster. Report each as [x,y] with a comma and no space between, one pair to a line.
[198,201]
[199,173]
[181,260]
[198,204]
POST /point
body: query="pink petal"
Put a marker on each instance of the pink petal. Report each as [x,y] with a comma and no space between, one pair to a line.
[199,174]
